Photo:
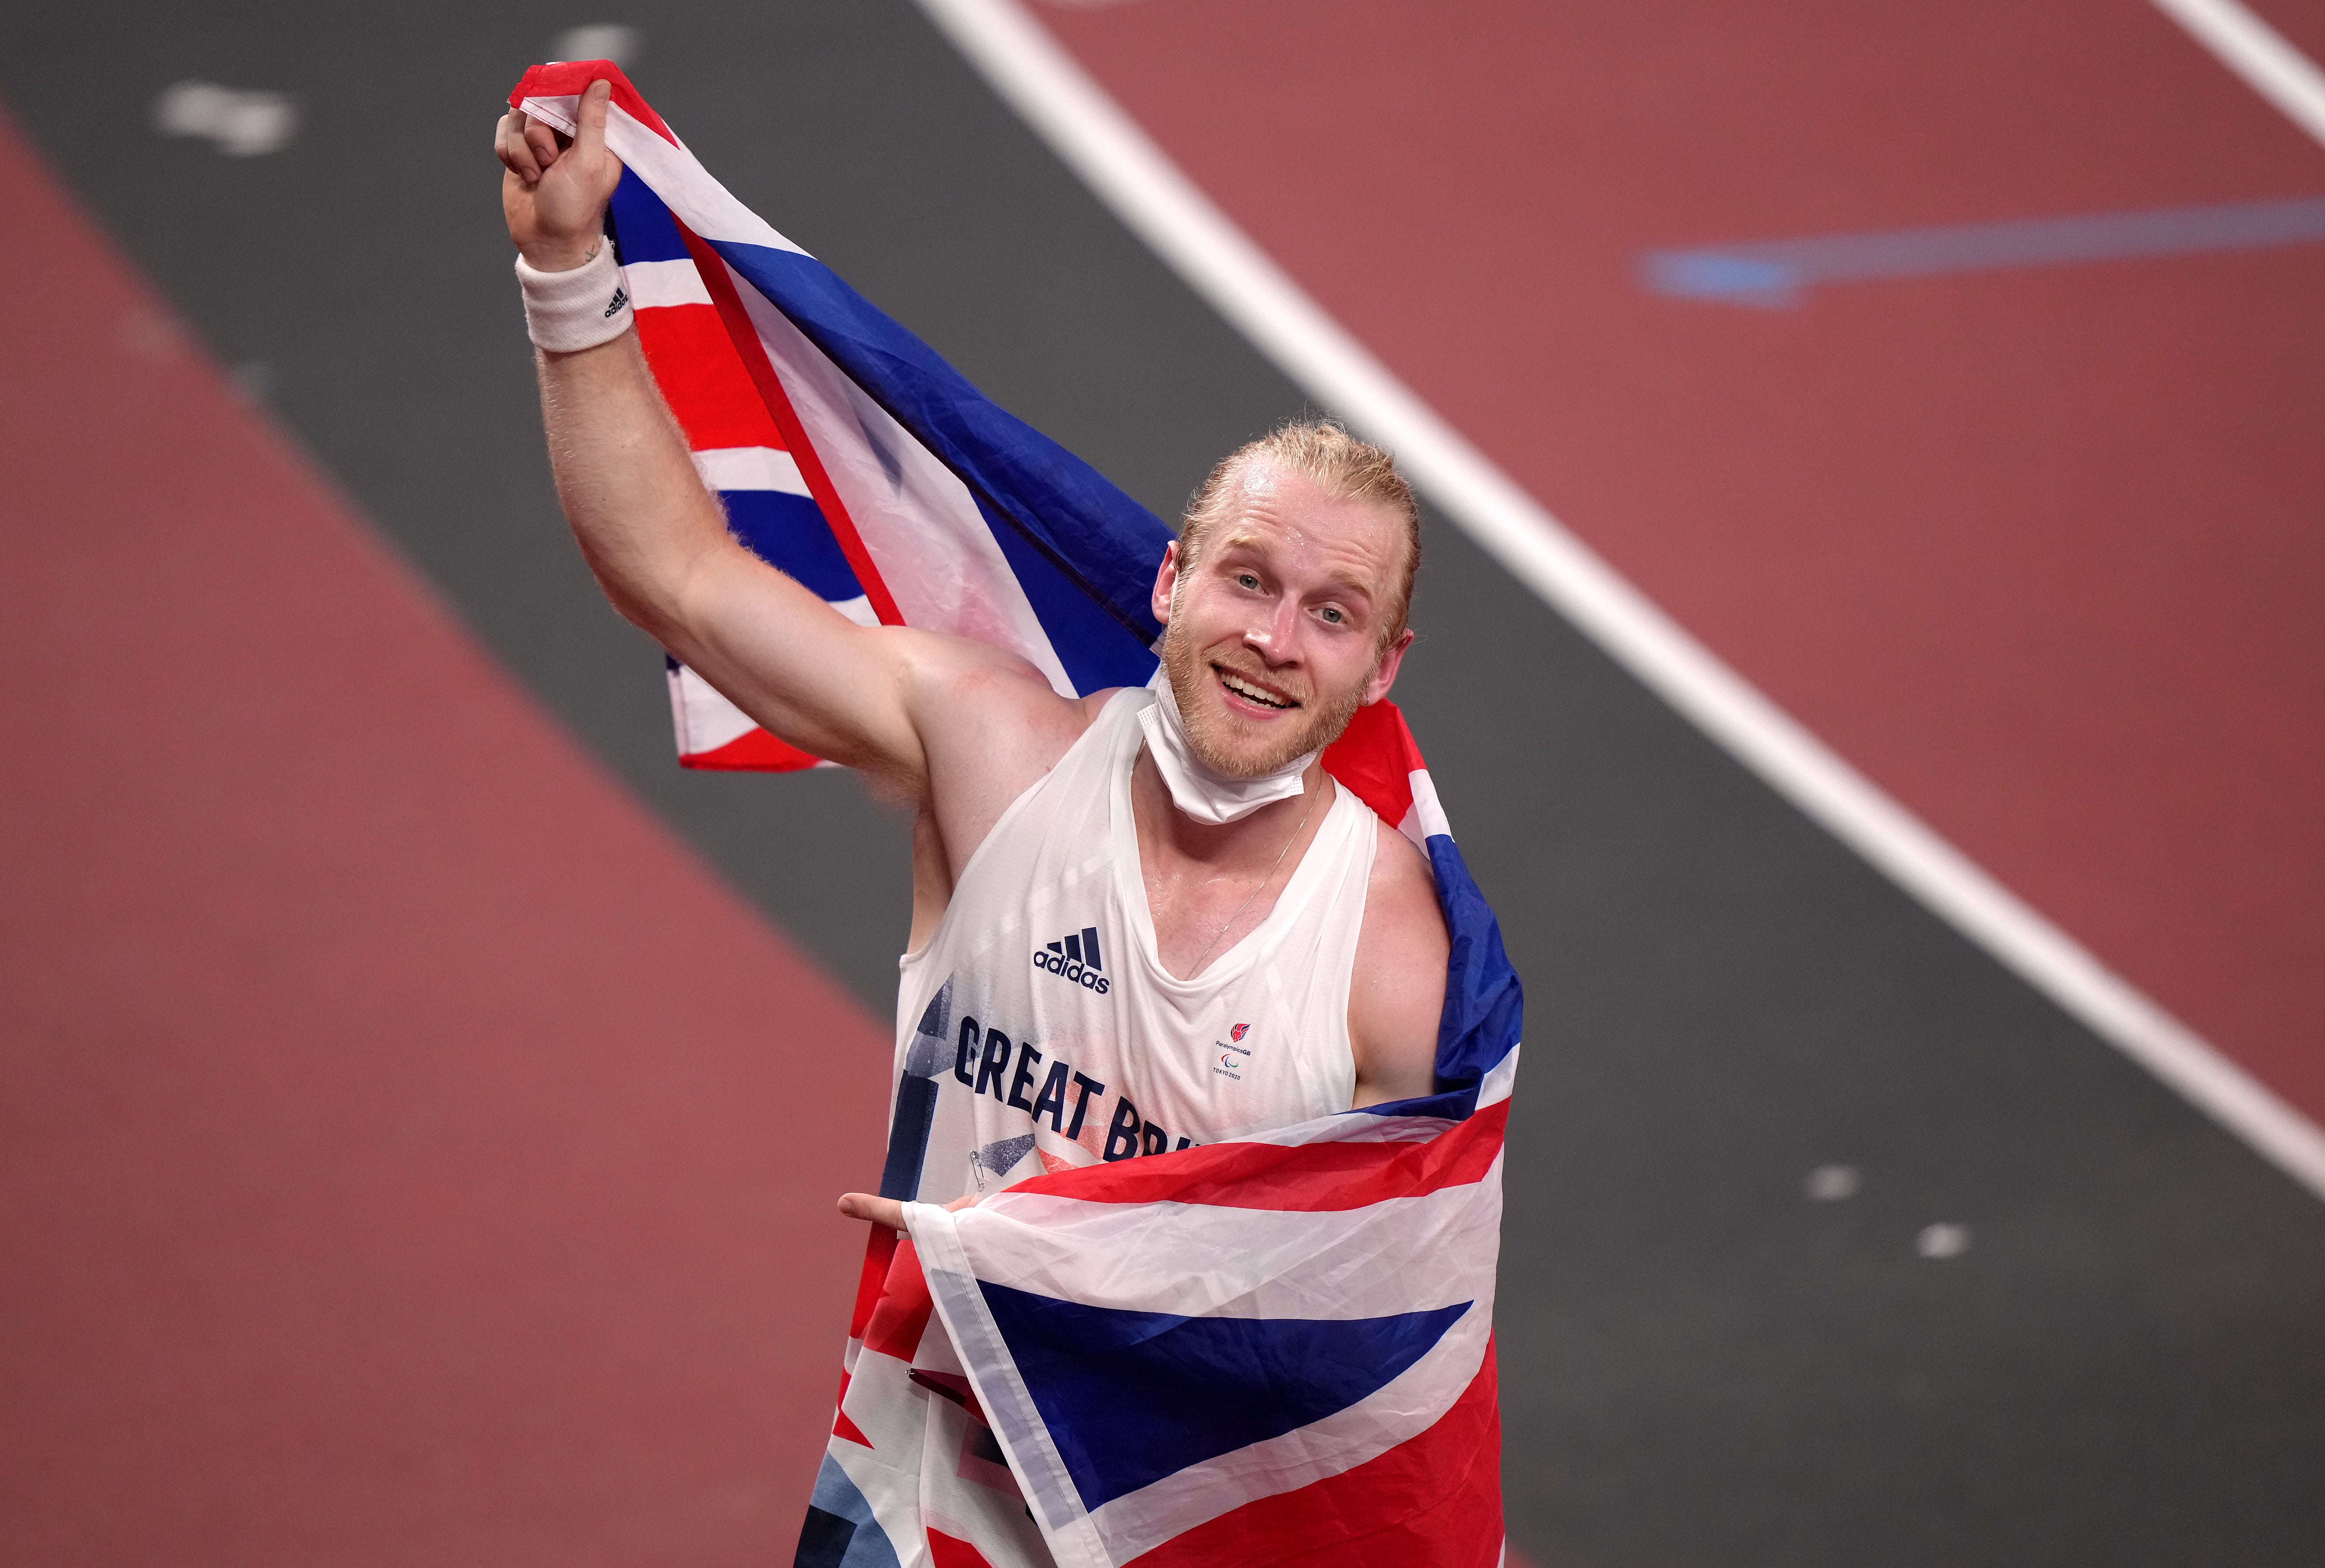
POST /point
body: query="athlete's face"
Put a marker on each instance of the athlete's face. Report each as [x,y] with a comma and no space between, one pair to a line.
[1272,636]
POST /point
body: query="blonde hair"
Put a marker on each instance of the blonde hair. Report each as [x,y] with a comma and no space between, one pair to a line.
[1344,467]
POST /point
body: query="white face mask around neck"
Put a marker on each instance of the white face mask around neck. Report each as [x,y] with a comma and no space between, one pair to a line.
[1207,796]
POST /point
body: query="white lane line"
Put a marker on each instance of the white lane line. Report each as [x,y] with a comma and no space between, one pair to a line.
[2257,52]
[1148,192]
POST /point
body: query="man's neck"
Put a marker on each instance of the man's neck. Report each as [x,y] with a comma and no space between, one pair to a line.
[1210,886]
[1226,847]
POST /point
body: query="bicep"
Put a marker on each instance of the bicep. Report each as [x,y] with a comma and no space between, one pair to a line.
[883,699]
[1396,995]
[812,677]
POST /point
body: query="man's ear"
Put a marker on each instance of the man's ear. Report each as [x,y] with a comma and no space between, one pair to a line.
[1166,582]
[1383,674]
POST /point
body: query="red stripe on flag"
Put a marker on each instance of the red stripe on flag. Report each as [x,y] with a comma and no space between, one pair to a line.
[841,1426]
[901,1316]
[757,752]
[1306,1177]
[945,1551]
[872,1280]
[1375,757]
[1433,1501]
[745,338]
[570,77]
[702,379]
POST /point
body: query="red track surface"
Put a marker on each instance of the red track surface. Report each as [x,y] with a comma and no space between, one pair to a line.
[2037,551]
[395,1112]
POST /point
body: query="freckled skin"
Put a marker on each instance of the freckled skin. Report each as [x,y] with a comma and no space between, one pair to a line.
[1286,595]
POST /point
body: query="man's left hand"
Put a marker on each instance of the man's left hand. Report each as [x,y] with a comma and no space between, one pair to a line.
[885,1212]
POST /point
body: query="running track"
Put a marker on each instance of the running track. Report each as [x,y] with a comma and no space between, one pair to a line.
[2035,549]
[423,1159]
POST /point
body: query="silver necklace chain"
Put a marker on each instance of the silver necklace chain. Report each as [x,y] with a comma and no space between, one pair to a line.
[1197,967]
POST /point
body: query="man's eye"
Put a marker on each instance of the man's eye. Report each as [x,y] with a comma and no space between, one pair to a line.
[1332,614]
[1246,580]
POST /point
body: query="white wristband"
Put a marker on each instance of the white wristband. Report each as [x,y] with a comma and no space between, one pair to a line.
[565,312]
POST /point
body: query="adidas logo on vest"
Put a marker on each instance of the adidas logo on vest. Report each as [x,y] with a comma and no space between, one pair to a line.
[1074,958]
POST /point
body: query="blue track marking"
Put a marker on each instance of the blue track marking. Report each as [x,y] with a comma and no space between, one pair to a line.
[1773,274]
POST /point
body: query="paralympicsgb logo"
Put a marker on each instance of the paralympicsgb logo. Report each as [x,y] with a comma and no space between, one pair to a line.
[1074,958]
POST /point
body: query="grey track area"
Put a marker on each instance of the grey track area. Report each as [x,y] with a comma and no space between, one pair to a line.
[1699,1363]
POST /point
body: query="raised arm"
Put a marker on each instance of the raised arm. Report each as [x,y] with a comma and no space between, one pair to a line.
[657,539]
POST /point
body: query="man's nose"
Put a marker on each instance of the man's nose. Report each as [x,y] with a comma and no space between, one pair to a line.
[1276,636]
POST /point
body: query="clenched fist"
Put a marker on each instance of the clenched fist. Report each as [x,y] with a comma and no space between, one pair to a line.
[556,188]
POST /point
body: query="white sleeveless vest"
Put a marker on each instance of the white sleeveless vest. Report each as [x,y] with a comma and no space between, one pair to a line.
[1037,1030]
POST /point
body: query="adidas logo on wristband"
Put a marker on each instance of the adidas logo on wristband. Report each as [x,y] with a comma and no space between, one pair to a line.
[570,311]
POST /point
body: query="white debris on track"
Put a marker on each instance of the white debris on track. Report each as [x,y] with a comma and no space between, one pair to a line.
[1945,1240]
[599,40]
[244,124]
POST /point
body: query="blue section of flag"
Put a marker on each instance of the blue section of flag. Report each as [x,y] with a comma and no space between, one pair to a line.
[1133,1397]
[840,1531]
[1090,643]
[1099,538]
[1485,1005]
[644,230]
[789,533]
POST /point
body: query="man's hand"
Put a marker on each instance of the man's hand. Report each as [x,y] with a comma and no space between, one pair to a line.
[555,191]
[885,1212]
[889,700]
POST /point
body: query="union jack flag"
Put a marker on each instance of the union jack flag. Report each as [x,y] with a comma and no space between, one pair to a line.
[1319,1389]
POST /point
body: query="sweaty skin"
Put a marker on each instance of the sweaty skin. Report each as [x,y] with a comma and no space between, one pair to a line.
[1272,639]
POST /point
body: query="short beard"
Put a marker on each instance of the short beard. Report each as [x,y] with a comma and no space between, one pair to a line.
[1189,675]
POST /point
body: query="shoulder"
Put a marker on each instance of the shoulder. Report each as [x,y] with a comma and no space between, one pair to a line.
[990,726]
[1401,904]
[976,700]
[1397,993]
[956,676]
[1097,702]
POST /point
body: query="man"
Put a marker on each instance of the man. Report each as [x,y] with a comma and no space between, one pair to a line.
[1142,920]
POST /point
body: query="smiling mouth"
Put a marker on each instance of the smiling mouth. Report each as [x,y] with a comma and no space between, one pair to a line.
[1250,693]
